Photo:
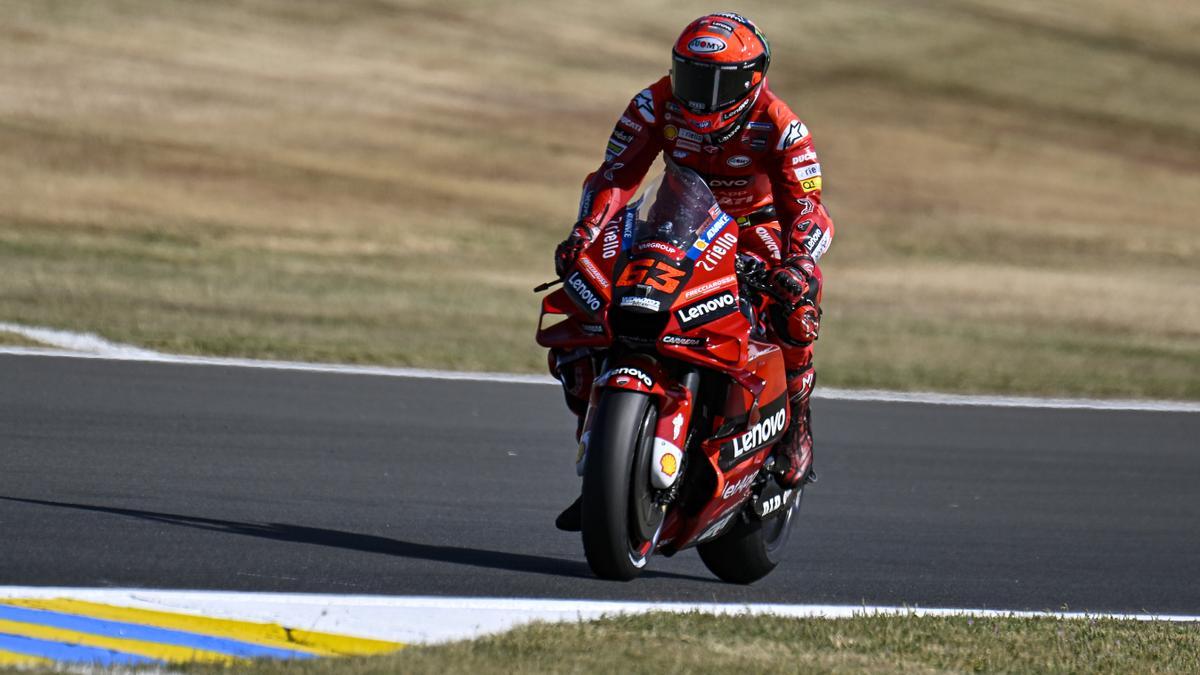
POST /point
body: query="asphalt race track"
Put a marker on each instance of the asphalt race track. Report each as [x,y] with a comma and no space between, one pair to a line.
[181,476]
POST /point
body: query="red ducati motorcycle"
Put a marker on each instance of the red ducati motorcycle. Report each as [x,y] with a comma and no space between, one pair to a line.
[676,447]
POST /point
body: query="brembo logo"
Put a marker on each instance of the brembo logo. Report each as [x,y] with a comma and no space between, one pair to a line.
[706,45]
[706,310]
[584,292]
[759,434]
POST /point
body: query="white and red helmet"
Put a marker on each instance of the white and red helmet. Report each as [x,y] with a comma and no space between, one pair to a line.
[717,69]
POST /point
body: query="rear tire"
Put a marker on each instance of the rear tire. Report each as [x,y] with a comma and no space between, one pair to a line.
[620,521]
[752,547]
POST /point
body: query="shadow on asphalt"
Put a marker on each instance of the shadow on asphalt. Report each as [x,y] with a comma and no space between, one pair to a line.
[368,543]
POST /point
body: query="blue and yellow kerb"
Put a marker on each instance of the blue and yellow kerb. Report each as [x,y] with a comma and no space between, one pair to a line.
[44,631]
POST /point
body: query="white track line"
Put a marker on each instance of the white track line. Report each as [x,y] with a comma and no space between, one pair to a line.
[88,346]
[439,619]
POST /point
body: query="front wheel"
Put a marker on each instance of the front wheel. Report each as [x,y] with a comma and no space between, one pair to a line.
[752,547]
[621,521]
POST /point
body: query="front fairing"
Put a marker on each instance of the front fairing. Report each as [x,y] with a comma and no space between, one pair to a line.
[675,285]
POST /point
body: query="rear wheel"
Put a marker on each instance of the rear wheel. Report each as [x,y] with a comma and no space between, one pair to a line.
[621,522]
[752,547]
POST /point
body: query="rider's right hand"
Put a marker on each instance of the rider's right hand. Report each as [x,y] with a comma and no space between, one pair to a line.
[569,250]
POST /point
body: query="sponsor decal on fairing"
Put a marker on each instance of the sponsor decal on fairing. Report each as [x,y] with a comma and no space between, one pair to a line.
[771,505]
[687,145]
[583,293]
[593,272]
[659,247]
[708,235]
[705,289]
[664,467]
[806,205]
[738,161]
[689,135]
[738,487]
[644,303]
[706,310]
[630,221]
[625,371]
[716,252]
[716,528]
[769,428]
[610,240]
[811,184]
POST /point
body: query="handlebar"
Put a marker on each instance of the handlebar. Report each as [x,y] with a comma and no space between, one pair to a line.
[752,273]
[547,286]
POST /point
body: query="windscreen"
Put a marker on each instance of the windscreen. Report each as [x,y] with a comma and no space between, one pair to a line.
[675,208]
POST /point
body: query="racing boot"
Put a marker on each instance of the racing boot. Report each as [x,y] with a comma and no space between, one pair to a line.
[575,370]
[571,519]
[795,451]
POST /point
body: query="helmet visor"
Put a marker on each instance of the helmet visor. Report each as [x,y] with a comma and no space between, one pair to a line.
[706,87]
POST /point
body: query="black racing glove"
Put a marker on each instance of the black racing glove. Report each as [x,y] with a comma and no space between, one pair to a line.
[570,248]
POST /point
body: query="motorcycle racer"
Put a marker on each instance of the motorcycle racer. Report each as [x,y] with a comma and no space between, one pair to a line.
[716,114]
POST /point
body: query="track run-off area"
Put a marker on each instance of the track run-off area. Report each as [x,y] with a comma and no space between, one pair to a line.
[439,490]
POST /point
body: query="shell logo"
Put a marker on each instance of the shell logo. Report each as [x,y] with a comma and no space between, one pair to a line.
[670,132]
[668,464]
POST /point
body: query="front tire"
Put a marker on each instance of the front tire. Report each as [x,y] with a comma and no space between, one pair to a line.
[752,547]
[621,522]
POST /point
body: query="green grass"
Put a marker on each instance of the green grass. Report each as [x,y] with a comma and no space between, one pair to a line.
[696,643]
[1015,183]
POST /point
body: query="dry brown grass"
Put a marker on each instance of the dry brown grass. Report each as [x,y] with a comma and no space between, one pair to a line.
[1016,184]
[695,643]
[8,339]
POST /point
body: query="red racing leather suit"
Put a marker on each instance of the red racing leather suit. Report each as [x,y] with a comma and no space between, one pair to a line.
[765,159]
